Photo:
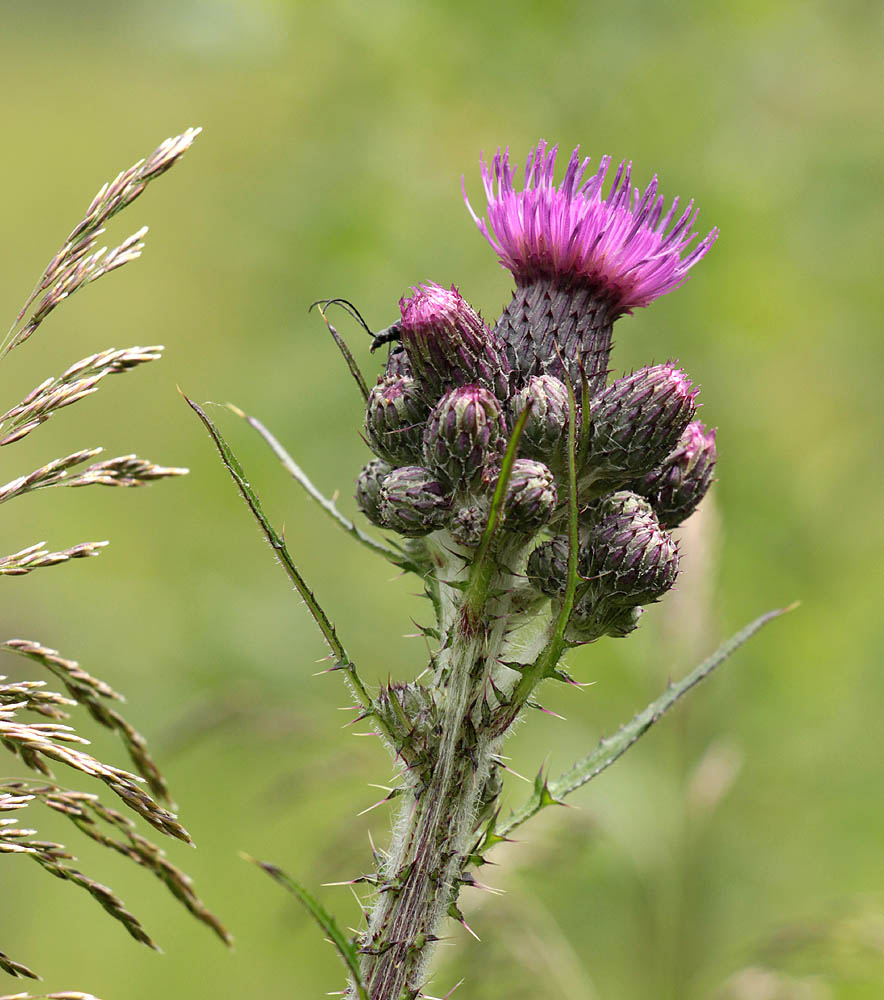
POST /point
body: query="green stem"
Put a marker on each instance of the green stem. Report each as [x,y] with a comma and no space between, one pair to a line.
[543,667]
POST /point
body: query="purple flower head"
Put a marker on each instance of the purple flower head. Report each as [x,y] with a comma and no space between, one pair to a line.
[616,244]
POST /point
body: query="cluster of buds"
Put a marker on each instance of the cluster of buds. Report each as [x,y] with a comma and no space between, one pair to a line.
[439,420]
[443,411]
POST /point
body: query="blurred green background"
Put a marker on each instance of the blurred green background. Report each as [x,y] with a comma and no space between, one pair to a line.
[737,851]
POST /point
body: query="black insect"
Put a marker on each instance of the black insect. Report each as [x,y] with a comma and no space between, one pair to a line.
[389,335]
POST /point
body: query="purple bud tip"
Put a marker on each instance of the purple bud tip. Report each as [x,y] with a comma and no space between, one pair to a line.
[433,306]
[622,244]
[448,344]
[696,439]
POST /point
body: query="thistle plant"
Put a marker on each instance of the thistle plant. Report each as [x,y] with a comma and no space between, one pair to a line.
[534,496]
[33,718]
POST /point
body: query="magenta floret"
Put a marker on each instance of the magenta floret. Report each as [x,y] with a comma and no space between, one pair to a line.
[620,244]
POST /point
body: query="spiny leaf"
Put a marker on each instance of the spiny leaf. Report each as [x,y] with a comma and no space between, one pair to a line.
[237,473]
[615,746]
[297,473]
[344,947]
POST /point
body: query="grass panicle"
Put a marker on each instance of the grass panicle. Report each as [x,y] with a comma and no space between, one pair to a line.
[37,723]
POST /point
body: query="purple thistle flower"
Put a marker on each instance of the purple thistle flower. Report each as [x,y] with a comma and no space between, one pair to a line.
[619,244]
[580,259]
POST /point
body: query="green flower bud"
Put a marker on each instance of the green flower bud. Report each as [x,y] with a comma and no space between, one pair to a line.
[411,714]
[463,431]
[590,620]
[394,419]
[468,525]
[413,502]
[531,496]
[368,488]
[548,566]
[545,433]
[636,422]
[627,557]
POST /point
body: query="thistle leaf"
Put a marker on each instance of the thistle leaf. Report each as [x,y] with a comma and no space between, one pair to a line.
[343,945]
[613,747]
[297,473]
[342,658]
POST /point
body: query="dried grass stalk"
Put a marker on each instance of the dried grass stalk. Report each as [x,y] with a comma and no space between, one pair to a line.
[81,379]
[41,745]
[37,556]
[78,262]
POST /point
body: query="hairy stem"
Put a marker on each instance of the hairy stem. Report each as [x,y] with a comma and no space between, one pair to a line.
[435,831]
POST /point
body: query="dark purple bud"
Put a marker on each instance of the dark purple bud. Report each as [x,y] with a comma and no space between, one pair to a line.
[545,433]
[548,566]
[463,431]
[413,502]
[468,525]
[636,422]
[397,362]
[368,489]
[530,498]
[449,345]
[394,419]
[627,557]
[681,482]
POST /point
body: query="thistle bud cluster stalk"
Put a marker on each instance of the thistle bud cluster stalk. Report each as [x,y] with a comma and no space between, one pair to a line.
[536,494]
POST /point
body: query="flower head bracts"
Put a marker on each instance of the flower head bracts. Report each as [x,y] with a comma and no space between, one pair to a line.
[617,244]
[447,343]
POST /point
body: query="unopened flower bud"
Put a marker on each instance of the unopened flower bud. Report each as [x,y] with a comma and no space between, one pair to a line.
[548,566]
[468,525]
[627,557]
[531,496]
[592,619]
[449,345]
[637,421]
[681,482]
[397,362]
[413,502]
[394,419]
[463,431]
[368,488]
[544,434]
